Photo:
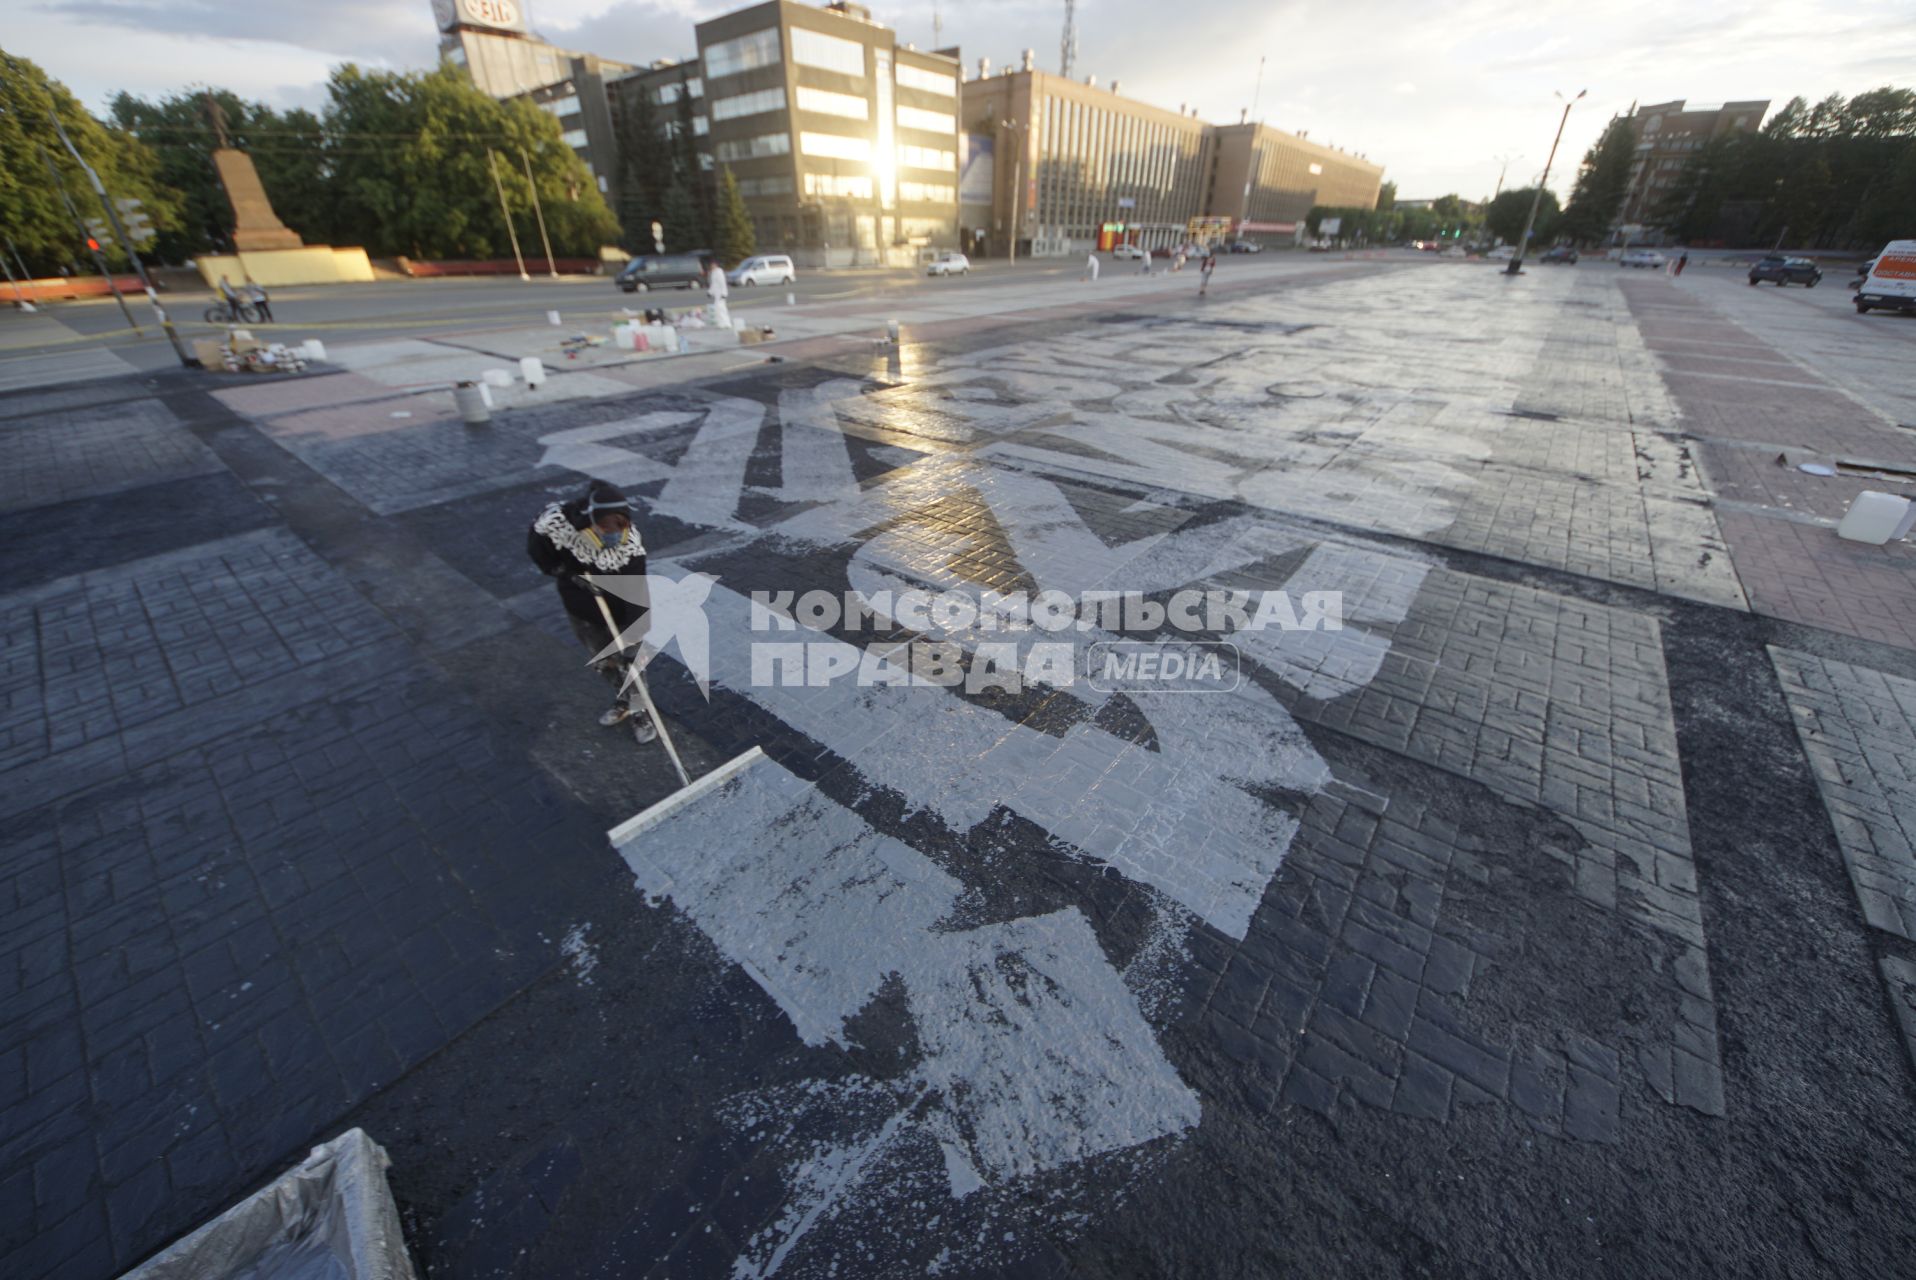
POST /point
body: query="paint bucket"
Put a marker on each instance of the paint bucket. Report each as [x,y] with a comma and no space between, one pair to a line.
[471,400]
[533,370]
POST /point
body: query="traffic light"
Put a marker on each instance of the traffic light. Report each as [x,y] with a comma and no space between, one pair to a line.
[92,244]
[134,221]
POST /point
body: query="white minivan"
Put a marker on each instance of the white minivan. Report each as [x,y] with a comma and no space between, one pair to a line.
[1891,282]
[766,268]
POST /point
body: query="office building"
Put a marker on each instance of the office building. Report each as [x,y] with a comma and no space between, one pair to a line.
[1061,165]
[1268,180]
[493,42]
[844,143]
[1669,134]
[1064,166]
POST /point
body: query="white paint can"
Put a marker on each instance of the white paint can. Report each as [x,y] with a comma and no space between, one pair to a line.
[533,370]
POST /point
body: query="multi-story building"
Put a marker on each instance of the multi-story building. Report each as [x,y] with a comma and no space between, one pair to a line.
[493,41]
[585,115]
[844,143]
[1268,180]
[1669,134]
[1062,166]
[1054,165]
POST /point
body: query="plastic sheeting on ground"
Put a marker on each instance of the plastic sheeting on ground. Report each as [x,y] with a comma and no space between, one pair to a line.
[331,1218]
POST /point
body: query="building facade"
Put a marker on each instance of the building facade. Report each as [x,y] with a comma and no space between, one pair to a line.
[843,142]
[1056,166]
[492,41]
[1267,180]
[1669,134]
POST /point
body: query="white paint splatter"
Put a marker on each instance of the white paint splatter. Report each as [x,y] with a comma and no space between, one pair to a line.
[578,950]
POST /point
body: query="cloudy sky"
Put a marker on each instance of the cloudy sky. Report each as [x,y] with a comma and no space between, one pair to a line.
[1435,92]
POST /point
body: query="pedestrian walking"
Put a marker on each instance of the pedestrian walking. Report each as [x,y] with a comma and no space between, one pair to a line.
[256,293]
[1683,260]
[1144,263]
[719,289]
[1091,266]
[1205,268]
[594,534]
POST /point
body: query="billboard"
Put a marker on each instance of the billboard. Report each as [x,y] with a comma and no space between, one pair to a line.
[495,15]
[974,168]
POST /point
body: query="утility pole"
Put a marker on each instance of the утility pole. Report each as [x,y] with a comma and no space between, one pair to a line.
[187,359]
[1523,243]
[552,268]
[492,162]
[86,236]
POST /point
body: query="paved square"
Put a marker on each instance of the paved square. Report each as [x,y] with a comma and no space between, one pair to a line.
[1556,904]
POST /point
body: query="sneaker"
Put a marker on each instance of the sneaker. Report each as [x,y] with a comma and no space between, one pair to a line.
[617,713]
[642,728]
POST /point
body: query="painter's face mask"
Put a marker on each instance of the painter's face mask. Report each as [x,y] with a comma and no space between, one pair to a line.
[611,537]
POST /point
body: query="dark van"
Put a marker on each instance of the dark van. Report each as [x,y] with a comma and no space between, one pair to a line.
[666,270]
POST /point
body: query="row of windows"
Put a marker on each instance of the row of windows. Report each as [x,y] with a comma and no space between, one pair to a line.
[850,106]
[700,127]
[667,93]
[928,158]
[765,186]
[930,121]
[827,53]
[927,81]
[766,144]
[749,104]
[835,146]
[745,53]
[927,192]
[566,106]
[852,187]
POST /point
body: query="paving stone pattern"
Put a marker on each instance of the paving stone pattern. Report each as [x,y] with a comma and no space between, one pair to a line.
[62,454]
[281,868]
[1559,703]
[1858,728]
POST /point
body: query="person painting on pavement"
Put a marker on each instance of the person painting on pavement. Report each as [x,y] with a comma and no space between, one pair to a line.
[594,534]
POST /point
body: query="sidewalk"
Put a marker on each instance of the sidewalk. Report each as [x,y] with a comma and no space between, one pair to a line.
[20,330]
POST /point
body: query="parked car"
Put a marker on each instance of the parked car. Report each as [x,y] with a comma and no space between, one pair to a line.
[1781,270]
[1641,258]
[1503,253]
[766,268]
[1455,251]
[1891,283]
[1244,246]
[1127,252]
[948,263]
[666,270]
[1559,253]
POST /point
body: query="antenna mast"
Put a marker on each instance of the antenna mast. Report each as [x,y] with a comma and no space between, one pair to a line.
[1068,44]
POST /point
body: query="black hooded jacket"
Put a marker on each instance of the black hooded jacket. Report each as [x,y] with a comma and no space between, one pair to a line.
[562,543]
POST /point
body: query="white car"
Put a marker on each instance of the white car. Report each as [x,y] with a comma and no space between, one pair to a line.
[948,263]
[1502,253]
[1127,253]
[1454,251]
[765,269]
[1641,258]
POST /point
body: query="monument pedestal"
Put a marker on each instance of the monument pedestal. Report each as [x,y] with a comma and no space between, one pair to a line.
[271,253]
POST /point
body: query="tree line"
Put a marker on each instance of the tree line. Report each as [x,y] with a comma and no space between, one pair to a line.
[1837,175]
[400,163]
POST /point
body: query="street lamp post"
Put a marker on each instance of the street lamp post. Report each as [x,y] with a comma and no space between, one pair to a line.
[1523,241]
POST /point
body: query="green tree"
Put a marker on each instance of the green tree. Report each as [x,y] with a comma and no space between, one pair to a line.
[645,169]
[681,220]
[1505,216]
[288,151]
[1386,197]
[1602,181]
[736,239]
[30,207]
[411,175]
[691,170]
[1890,211]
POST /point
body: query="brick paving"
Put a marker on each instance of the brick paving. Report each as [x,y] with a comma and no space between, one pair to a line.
[1432,926]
